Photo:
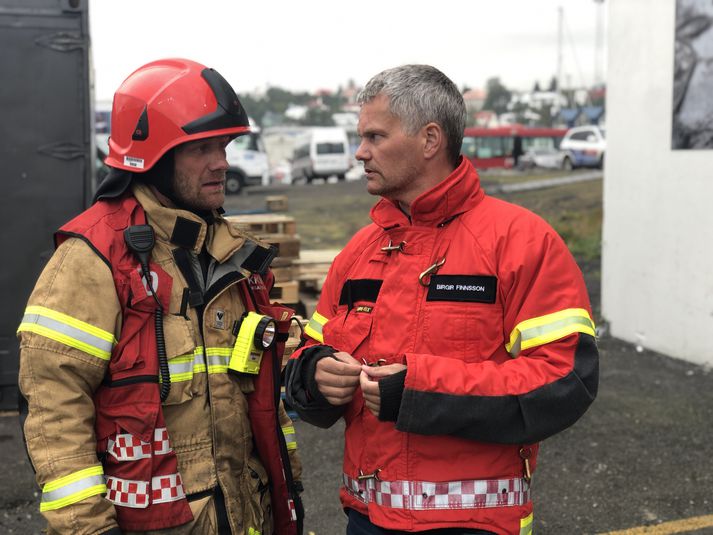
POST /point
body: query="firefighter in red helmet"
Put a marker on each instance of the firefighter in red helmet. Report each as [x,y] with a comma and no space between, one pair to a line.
[140,414]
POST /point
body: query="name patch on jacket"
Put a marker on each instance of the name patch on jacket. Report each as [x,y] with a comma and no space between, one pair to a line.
[470,288]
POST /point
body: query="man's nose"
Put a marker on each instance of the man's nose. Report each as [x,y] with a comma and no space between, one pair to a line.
[220,162]
[361,153]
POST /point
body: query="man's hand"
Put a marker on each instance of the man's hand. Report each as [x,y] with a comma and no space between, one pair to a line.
[369,381]
[338,377]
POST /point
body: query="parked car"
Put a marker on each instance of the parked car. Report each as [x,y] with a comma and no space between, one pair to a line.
[547,158]
[247,161]
[584,147]
[321,153]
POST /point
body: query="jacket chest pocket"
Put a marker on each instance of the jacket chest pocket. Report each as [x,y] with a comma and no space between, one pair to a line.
[186,362]
[469,331]
[348,331]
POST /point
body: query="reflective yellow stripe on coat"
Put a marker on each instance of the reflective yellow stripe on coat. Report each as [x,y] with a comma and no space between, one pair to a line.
[290,437]
[526,525]
[68,331]
[73,488]
[545,329]
[314,327]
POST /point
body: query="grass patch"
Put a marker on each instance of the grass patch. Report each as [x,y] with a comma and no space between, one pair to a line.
[328,215]
[573,210]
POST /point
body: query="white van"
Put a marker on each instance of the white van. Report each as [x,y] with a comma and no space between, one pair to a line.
[247,161]
[321,153]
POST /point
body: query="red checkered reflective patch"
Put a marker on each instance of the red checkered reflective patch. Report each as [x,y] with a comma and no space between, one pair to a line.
[424,495]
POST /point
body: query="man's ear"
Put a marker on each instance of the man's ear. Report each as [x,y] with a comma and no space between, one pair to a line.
[433,140]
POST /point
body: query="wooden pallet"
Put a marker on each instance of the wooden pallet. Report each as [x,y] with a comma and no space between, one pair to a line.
[262,225]
[312,267]
[287,292]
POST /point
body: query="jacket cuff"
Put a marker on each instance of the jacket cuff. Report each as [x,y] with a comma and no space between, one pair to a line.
[302,393]
[309,369]
[391,390]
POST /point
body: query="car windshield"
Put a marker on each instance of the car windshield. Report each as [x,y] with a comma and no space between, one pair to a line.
[330,148]
[247,142]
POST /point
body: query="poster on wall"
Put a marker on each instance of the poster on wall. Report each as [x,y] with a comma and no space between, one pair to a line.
[693,76]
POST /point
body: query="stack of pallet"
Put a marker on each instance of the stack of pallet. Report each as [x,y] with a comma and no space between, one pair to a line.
[279,230]
[312,268]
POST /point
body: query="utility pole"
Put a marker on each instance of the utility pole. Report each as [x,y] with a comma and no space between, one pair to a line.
[560,24]
[599,44]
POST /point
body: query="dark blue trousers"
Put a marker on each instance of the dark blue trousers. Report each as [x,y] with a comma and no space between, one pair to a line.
[360,525]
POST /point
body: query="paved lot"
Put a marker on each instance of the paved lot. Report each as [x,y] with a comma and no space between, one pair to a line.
[642,455]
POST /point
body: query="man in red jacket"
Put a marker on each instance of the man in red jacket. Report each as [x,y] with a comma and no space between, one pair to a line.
[452,334]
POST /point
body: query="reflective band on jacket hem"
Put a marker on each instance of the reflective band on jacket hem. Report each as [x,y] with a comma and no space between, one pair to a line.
[68,331]
[545,329]
[73,488]
[526,525]
[425,495]
[314,327]
[290,437]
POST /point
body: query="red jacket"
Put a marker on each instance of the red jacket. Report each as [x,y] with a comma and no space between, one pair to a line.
[486,307]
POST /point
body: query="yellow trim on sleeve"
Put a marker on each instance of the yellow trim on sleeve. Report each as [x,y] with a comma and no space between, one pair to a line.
[545,329]
[74,322]
[73,488]
[314,327]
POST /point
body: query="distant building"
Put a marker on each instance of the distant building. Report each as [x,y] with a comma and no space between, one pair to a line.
[474,100]
[657,281]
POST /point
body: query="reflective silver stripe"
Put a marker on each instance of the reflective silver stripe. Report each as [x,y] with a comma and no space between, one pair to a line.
[314,327]
[184,367]
[426,495]
[545,329]
[68,335]
[290,437]
[72,488]
[218,359]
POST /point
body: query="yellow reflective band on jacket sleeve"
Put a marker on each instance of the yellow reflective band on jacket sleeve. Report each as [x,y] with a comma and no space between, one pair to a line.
[290,437]
[73,488]
[314,327]
[253,531]
[545,329]
[526,525]
[68,331]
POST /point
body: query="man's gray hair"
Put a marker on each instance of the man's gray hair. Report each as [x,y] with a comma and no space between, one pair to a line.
[418,95]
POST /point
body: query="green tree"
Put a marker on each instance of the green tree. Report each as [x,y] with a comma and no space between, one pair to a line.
[498,96]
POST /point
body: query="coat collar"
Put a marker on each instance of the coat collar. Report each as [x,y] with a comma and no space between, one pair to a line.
[457,193]
[187,229]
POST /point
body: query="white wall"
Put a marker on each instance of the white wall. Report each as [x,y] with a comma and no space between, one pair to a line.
[657,254]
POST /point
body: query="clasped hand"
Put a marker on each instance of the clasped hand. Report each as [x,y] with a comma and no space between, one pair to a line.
[337,379]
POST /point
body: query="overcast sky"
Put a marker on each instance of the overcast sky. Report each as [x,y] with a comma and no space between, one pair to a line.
[313,44]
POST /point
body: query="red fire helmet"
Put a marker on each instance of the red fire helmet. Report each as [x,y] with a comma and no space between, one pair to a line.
[166,103]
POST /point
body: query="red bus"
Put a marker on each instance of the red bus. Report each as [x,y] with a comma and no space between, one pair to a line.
[493,147]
